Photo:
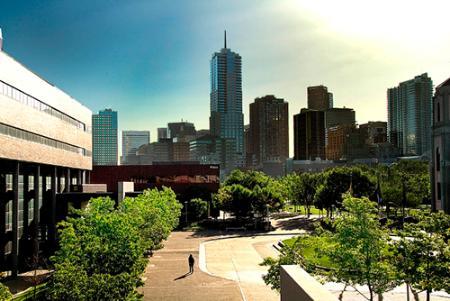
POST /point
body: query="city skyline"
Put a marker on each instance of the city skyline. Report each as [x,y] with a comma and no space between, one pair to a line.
[103,61]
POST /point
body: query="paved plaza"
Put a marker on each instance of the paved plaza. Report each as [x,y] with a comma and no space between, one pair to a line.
[227,268]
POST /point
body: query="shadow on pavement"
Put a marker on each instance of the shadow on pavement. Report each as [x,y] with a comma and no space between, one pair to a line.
[183,276]
[296,223]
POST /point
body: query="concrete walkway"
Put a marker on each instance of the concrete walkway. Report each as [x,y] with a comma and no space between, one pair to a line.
[238,259]
[166,275]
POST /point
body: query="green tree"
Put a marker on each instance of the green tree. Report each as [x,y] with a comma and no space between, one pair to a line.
[337,181]
[5,294]
[246,193]
[198,208]
[101,254]
[422,254]
[360,250]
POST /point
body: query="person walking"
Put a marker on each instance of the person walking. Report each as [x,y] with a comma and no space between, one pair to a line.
[191,261]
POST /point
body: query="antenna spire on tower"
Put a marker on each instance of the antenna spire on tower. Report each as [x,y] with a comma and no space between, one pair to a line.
[225,40]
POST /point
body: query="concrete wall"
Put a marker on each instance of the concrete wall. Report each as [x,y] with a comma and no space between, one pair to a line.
[25,117]
[297,284]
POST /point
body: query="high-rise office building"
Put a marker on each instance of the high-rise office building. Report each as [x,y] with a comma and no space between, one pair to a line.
[269,130]
[226,119]
[309,135]
[440,176]
[409,115]
[162,133]
[183,131]
[131,141]
[319,98]
[104,138]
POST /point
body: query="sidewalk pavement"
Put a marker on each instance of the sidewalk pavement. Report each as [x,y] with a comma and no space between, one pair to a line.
[167,278]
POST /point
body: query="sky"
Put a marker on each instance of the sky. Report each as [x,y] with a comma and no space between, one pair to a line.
[149,60]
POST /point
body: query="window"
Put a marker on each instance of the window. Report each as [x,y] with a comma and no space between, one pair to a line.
[438,190]
[29,100]
[438,112]
[32,137]
[438,159]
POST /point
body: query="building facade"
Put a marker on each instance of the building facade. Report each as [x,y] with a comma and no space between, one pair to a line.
[409,115]
[440,184]
[269,130]
[375,132]
[162,133]
[45,146]
[182,178]
[309,135]
[319,98]
[214,150]
[104,138]
[226,119]
[131,141]
[339,116]
[183,131]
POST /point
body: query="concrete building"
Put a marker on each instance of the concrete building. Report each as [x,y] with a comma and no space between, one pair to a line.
[180,151]
[375,132]
[319,98]
[226,119]
[162,133]
[201,133]
[337,141]
[45,147]
[183,131]
[309,135]
[339,116]
[214,150]
[409,115]
[440,184]
[131,141]
[269,130]
[104,138]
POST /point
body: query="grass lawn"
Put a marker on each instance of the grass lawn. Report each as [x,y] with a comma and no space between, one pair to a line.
[309,247]
[302,210]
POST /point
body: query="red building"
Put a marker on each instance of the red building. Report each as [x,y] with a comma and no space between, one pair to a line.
[182,178]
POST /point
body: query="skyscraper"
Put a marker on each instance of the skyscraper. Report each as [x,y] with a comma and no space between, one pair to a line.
[269,133]
[319,98]
[104,138]
[131,141]
[440,175]
[309,135]
[409,115]
[226,119]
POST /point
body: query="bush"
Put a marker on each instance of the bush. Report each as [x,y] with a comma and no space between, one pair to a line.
[198,208]
[5,294]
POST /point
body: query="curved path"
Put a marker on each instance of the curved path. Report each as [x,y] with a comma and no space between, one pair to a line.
[166,275]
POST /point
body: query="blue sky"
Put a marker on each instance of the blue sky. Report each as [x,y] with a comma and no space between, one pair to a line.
[149,60]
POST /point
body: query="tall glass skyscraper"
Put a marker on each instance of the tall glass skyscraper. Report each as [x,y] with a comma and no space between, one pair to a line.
[104,138]
[226,119]
[409,115]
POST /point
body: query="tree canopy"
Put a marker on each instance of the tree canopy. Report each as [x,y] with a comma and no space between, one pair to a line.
[101,254]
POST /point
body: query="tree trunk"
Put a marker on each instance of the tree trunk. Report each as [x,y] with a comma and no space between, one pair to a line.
[371,293]
[341,295]
[428,295]
[380,297]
